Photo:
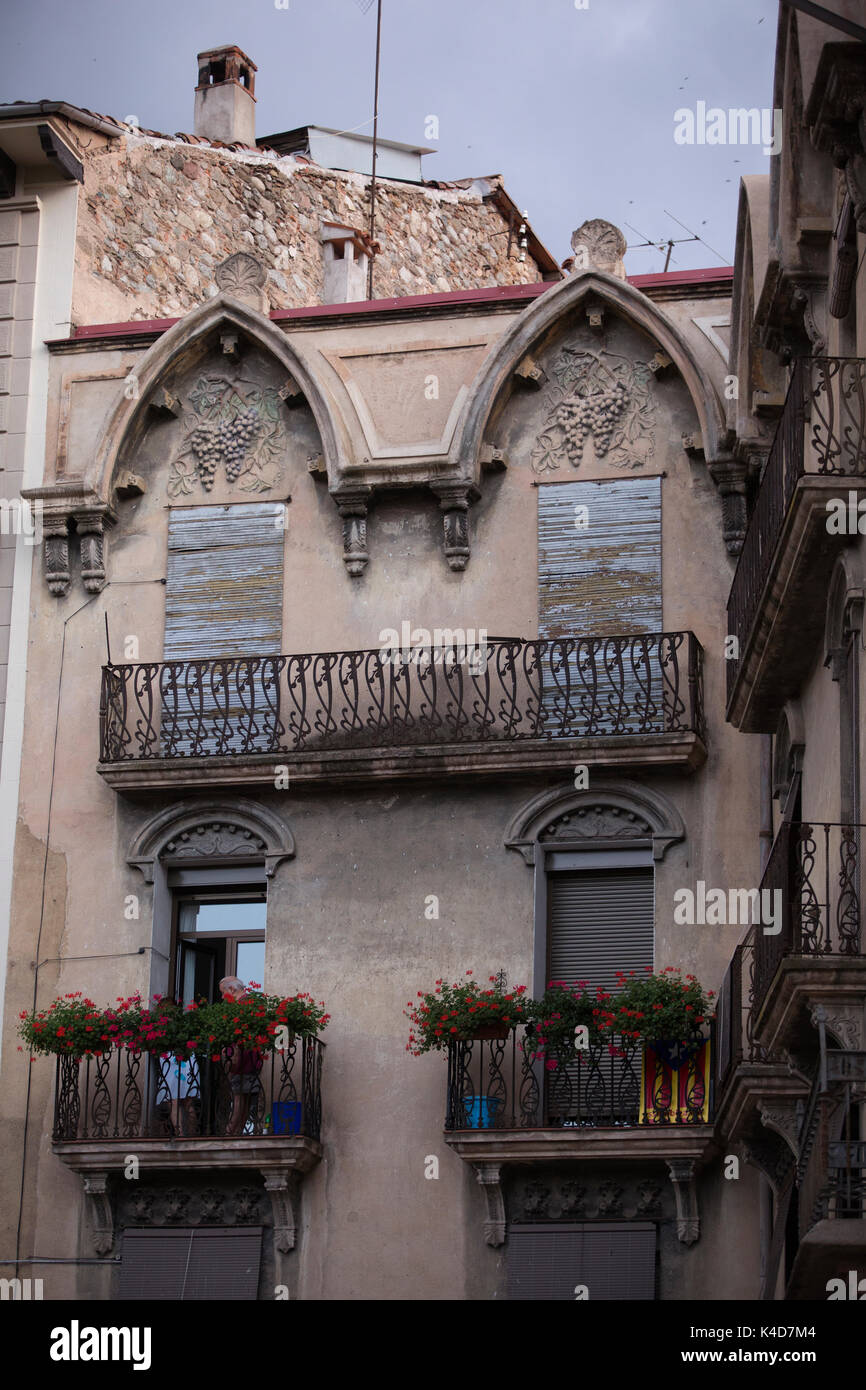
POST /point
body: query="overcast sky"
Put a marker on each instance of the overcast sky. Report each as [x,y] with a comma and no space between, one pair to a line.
[574,107]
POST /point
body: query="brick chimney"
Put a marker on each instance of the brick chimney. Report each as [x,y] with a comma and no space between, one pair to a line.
[225,107]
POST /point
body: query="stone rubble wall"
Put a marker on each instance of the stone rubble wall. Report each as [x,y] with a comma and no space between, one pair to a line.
[157,216]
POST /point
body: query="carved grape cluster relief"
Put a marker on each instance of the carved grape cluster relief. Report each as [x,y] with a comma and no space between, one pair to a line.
[234,426]
[602,395]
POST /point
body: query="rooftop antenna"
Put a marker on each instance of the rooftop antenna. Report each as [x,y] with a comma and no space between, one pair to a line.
[670,242]
[365,6]
[695,236]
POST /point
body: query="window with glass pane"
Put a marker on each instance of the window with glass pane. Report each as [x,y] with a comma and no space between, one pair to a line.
[219,934]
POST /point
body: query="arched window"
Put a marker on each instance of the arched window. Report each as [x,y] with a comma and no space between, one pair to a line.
[594,853]
[210,865]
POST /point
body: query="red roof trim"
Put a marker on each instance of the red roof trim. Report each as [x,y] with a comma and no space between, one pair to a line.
[495,294]
[682,277]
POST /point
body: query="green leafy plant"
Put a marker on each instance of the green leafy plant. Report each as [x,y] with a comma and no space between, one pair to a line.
[71,1025]
[74,1026]
[458,1010]
[254,1020]
[663,1007]
[557,1015]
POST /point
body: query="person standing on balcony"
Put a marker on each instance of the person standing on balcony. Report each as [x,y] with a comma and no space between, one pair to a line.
[244,1065]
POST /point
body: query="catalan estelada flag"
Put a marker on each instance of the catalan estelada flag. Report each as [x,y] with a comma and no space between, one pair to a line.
[671,1095]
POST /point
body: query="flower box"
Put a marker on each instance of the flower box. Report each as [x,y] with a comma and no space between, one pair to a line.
[489,1031]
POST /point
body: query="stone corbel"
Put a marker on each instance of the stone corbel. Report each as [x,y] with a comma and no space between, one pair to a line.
[229,344]
[162,402]
[282,1187]
[291,394]
[492,459]
[352,507]
[855,182]
[101,1218]
[59,503]
[783,1118]
[528,373]
[660,364]
[682,1173]
[843,1018]
[454,502]
[729,476]
[91,525]
[812,302]
[770,1156]
[845,265]
[836,117]
[489,1176]
[128,484]
[55,533]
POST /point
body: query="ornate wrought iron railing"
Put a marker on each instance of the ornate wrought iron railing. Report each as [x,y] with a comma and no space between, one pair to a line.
[827,394]
[831,1162]
[506,690]
[732,1016]
[133,1095]
[498,1084]
[816,869]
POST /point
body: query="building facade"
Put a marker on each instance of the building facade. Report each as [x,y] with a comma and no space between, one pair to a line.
[791,1053]
[541,487]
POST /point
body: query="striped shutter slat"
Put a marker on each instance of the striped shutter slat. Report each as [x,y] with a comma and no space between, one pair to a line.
[224,582]
[198,1263]
[224,599]
[600,922]
[606,578]
[614,1261]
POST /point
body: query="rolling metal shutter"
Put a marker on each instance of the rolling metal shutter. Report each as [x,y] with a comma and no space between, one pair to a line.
[614,1260]
[224,582]
[599,921]
[607,578]
[205,1262]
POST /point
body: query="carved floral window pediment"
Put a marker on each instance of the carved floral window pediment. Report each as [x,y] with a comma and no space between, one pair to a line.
[609,813]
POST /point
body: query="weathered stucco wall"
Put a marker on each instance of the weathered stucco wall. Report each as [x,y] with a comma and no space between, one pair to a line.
[346,915]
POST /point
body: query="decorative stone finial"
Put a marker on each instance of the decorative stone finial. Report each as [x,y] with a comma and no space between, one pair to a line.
[598,245]
[243,277]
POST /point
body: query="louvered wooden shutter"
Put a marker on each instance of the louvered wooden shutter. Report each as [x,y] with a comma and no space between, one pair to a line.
[606,578]
[601,581]
[600,921]
[224,582]
[224,598]
[204,1262]
[614,1260]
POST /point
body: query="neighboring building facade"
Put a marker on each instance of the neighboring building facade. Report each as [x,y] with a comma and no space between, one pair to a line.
[791,1059]
[253,787]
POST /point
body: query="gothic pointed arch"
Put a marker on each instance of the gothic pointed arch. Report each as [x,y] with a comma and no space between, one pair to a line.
[212,832]
[551,312]
[606,815]
[223,314]
[760,380]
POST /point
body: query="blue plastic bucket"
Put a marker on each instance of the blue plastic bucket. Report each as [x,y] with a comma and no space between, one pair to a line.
[481,1111]
[286,1116]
